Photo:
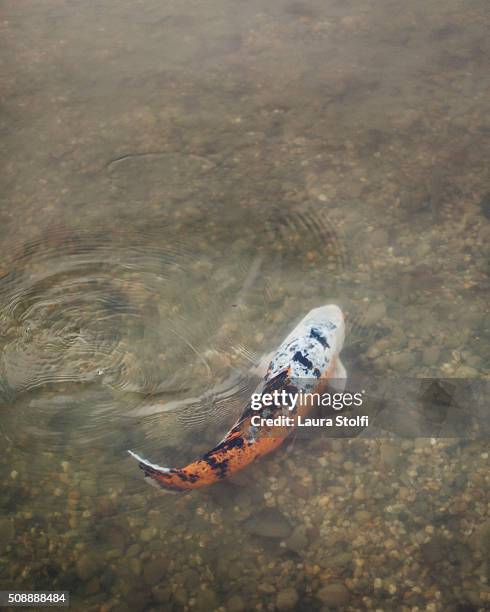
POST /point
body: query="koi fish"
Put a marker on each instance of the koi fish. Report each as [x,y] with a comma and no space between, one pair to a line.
[305,361]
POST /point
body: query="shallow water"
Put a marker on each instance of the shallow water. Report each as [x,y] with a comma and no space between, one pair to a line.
[181,183]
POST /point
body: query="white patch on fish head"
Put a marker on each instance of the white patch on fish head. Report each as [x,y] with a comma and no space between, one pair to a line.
[330,318]
[313,345]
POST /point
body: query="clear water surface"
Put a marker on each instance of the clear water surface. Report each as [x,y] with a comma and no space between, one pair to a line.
[181,182]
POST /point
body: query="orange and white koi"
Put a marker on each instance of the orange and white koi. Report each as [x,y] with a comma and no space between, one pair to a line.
[305,362]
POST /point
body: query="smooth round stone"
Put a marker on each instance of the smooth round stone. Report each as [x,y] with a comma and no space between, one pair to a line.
[268,523]
[374,313]
[362,516]
[206,600]
[297,541]
[147,534]
[334,595]
[287,599]
[389,455]
[236,603]
[87,566]
[480,538]
[402,361]
[431,355]
[7,531]
[435,550]
[154,570]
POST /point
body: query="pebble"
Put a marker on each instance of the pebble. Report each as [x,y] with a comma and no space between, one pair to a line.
[378,238]
[287,599]
[93,586]
[402,361]
[431,355]
[302,489]
[340,561]
[115,537]
[362,516]
[334,595]
[87,566]
[469,318]
[297,541]
[147,534]
[207,600]
[465,371]
[389,454]
[154,570]
[135,565]
[269,523]
[104,506]
[480,538]
[359,493]
[180,597]
[7,531]
[435,550]
[474,598]
[374,314]
[133,550]
[162,594]
[236,603]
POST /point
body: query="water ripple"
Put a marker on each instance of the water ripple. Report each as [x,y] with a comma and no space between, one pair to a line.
[147,335]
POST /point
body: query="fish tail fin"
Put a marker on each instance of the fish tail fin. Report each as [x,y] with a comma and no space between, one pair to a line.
[158,476]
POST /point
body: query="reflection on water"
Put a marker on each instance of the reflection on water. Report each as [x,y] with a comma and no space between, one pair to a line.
[181,184]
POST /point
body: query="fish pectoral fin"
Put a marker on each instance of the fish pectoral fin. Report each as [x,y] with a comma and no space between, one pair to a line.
[338,379]
[260,370]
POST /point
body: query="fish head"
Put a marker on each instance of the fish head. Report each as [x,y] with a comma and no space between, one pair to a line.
[312,347]
[331,321]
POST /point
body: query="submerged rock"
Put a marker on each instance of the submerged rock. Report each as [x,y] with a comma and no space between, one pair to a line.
[7,531]
[480,538]
[154,570]
[268,523]
[431,355]
[297,541]
[236,603]
[334,595]
[287,599]
[87,566]
[403,361]
[207,600]
[374,314]
[435,550]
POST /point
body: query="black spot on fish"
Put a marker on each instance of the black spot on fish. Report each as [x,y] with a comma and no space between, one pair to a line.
[225,445]
[317,372]
[298,356]
[317,335]
[184,476]
[221,467]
